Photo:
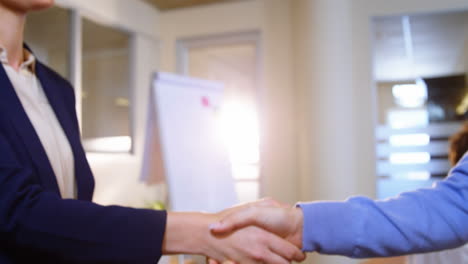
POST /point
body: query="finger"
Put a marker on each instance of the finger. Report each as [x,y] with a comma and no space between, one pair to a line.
[284,205]
[275,204]
[212,261]
[268,201]
[238,219]
[238,208]
[284,248]
[265,202]
[273,258]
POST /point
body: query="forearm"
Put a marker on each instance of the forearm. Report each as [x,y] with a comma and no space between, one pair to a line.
[419,221]
[187,233]
[63,229]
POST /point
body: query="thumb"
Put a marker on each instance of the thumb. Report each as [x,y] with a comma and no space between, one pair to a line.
[238,219]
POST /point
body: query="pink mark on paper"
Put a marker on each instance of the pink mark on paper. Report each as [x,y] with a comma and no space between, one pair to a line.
[205,101]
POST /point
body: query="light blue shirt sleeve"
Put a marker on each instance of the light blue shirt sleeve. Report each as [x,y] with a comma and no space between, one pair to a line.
[419,221]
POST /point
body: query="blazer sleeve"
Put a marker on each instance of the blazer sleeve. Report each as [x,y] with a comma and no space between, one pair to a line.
[414,222]
[72,231]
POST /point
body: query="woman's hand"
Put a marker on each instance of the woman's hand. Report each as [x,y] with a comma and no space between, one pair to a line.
[189,233]
[283,220]
[253,245]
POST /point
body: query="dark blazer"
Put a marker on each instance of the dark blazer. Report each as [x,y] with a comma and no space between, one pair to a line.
[36,225]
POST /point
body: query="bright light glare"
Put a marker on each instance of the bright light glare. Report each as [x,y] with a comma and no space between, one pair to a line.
[408,118]
[411,175]
[410,140]
[245,171]
[239,128]
[419,175]
[108,144]
[410,95]
[410,158]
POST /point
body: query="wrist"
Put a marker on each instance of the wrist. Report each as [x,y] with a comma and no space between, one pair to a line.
[297,217]
[187,233]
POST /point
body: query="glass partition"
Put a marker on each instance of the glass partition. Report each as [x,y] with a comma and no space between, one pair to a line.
[106,89]
[420,68]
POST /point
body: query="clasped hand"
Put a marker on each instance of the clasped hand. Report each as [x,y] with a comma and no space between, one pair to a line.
[259,232]
[281,242]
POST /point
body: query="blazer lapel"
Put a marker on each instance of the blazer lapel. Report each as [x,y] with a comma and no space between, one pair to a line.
[52,89]
[27,133]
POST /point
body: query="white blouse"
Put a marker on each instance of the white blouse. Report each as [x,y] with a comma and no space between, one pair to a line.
[47,127]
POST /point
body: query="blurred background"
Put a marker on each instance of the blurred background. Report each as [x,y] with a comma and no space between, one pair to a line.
[323,99]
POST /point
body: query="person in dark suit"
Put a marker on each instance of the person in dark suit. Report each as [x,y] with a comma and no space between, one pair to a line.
[46,185]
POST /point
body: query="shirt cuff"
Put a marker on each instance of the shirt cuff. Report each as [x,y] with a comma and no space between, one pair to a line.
[329,228]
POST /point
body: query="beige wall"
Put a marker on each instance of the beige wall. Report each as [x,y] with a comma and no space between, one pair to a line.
[205,21]
[55,54]
[135,16]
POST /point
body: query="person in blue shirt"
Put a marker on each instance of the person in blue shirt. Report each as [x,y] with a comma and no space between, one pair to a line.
[457,147]
[424,220]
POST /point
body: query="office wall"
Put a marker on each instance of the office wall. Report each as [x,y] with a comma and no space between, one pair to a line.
[117,175]
[271,18]
[135,16]
[55,54]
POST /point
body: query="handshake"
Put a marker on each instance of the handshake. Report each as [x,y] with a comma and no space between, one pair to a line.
[265,231]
